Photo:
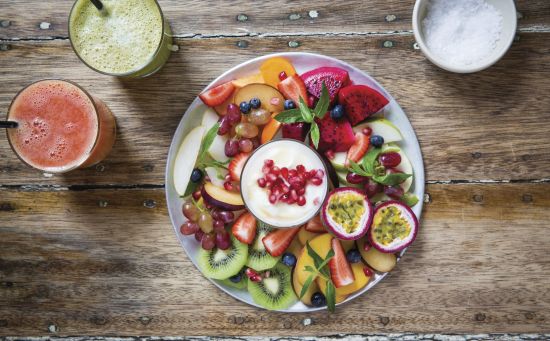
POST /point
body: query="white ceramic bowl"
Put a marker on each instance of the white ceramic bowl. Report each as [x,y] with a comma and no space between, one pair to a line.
[509,24]
[302,62]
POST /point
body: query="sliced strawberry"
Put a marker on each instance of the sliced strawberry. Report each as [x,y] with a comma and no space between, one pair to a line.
[244,228]
[293,88]
[236,166]
[315,225]
[359,148]
[217,95]
[340,270]
[278,241]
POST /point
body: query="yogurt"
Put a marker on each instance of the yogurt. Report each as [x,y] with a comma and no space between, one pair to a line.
[289,154]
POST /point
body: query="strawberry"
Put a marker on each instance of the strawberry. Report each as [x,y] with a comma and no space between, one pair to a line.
[360,102]
[315,225]
[217,95]
[244,228]
[335,135]
[359,148]
[278,241]
[236,166]
[340,270]
[293,88]
[297,131]
[333,77]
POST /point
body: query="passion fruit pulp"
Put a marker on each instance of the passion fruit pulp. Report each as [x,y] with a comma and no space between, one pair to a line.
[347,213]
[394,227]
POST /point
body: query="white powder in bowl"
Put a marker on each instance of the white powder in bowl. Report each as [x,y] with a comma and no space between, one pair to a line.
[462,32]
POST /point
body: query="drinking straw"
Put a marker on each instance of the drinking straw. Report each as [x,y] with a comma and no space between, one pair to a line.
[97,4]
[8,124]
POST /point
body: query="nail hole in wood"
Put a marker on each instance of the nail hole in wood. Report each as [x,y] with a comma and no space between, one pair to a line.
[3,323]
[478,198]
[243,44]
[150,203]
[98,320]
[388,44]
[294,16]
[313,14]
[6,207]
[102,203]
[384,320]
[416,46]
[529,315]
[293,44]
[45,25]
[287,324]
[480,317]
[145,320]
[527,198]
[5,23]
[52,328]
[148,168]
[427,198]
[5,47]
[390,17]
[7,284]
[307,322]
[100,168]
[242,17]
[476,155]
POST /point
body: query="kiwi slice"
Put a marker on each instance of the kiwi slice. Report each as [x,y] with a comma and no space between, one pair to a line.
[258,258]
[274,292]
[222,264]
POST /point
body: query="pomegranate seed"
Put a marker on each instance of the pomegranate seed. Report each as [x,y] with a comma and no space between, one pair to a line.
[275,101]
[301,169]
[253,275]
[197,195]
[316,201]
[261,182]
[316,181]
[301,200]
[294,195]
[228,186]
[311,101]
[320,174]
[272,198]
[282,76]
[290,201]
[285,188]
[292,173]
[296,182]
[228,177]
[301,191]
[256,278]
[276,192]
[275,170]
[367,246]
[284,172]
[268,184]
[266,169]
[269,163]
[368,272]
[367,131]
[271,177]
[312,173]
[330,154]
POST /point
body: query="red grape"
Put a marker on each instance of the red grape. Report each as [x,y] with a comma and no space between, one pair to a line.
[227,216]
[208,241]
[189,228]
[198,235]
[223,241]
[394,192]
[219,225]
[390,160]
[231,148]
[233,110]
[190,211]
[372,188]
[354,178]
[245,145]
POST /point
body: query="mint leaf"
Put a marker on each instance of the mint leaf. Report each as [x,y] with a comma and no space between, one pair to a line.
[317,260]
[331,296]
[391,179]
[290,116]
[323,103]
[409,199]
[207,141]
[307,283]
[370,159]
[314,134]
[309,269]
[330,254]
[356,168]
[306,112]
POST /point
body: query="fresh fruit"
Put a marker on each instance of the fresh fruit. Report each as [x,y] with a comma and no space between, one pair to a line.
[293,88]
[273,292]
[353,256]
[361,280]
[383,262]
[372,188]
[255,103]
[297,131]
[190,211]
[236,166]
[282,76]
[347,213]
[244,228]
[238,281]
[242,82]
[404,166]
[361,102]
[394,192]
[340,270]
[222,108]
[289,104]
[246,145]
[334,79]
[259,117]
[186,159]
[258,258]
[335,135]
[288,259]
[356,179]
[273,67]
[208,241]
[222,264]
[321,245]
[304,235]
[231,147]
[217,95]
[223,240]
[209,118]
[381,127]
[219,197]
[390,160]
[337,112]
[295,248]
[315,225]
[348,245]
[339,161]
[318,300]
[312,289]
[188,228]
[217,150]
[377,141]
[394,227]
[358,149]
[277,242]
[196,175]
[272,100]
[270,129]
[253,275]
[206,223]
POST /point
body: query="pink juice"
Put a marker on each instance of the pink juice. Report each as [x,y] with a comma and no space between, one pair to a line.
[61,127]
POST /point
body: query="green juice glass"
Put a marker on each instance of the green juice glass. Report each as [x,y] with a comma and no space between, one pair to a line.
[126,38]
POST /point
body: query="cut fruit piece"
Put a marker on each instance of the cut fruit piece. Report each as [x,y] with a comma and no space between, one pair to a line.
[405,166]
[315,225]
[333,77]
[313,288]
[244,228]
[258,257]
[381,127]
[347,213]
[272,100]
[348,244]
[335,135]
[240,285]
[217,95]
[360,282]
[342,179]
[244,81]
[236,166]
[358,149]
[340,270]
[293,88]
[297,131]
[383,262]
[339,161]
[209,118]
[278,241]
[216,175]
[217,149]
[360,102]
[304,235]
[274,292]
[270,129]
[221,198]
[222,264]
[222,108]
[295,247]
[321,245]
[394,227]
[186,159]
[322,284]
[272,68]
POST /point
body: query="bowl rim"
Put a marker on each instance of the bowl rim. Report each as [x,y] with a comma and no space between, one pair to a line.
[453,68]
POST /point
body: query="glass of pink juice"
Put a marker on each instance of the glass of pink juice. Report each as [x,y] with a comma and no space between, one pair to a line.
[60,127]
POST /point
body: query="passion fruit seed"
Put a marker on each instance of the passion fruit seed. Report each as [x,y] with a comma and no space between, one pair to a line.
[346,210]
[390,225]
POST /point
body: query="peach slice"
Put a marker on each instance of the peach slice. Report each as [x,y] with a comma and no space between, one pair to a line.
[321,245]
[270,129]
[272,100]
[379,261]
[360,281]
[272,67]
[305,236]
[313,288]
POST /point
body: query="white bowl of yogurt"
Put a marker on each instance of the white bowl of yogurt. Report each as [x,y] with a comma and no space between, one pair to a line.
[260,200]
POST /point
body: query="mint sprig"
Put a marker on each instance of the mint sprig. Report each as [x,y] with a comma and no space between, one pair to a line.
[321,269]
[307,115]
[370,167]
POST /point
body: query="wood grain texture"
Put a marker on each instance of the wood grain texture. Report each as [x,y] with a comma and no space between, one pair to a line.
[68,265]
[269,17]
[488,125]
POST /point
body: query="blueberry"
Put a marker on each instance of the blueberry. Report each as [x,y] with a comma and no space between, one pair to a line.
[353,256]
[337,112]
[377,141]
[237,278]
[196,176]
[245,107]
[289,259]
[318,300]
[255,103]
[289,104]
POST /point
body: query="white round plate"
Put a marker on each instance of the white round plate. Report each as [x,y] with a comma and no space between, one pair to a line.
[302,62]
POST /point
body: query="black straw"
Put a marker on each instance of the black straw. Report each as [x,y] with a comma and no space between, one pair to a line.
[8,124]
[97,4]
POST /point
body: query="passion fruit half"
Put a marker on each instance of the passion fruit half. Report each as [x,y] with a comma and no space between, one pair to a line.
[347,213]
[394,227]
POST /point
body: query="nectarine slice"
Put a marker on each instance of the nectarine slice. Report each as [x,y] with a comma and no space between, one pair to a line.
[321,245]
[242,82]
[270,129]
[272,100]
[272,67]
[360,281]
[379,261]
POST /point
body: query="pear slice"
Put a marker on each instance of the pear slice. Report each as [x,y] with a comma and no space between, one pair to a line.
[382,127]
[186,159]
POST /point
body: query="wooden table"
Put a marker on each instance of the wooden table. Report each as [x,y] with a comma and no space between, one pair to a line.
[93,252]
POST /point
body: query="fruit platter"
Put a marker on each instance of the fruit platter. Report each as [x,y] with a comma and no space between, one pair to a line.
[294,182]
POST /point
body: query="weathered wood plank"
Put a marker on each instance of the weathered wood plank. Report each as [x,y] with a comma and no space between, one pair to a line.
[69,265]
[47,20]
[489,125]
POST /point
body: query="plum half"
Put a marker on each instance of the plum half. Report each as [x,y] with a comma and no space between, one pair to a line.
[394,227]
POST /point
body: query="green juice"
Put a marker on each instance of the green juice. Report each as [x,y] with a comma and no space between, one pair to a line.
[127,38]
